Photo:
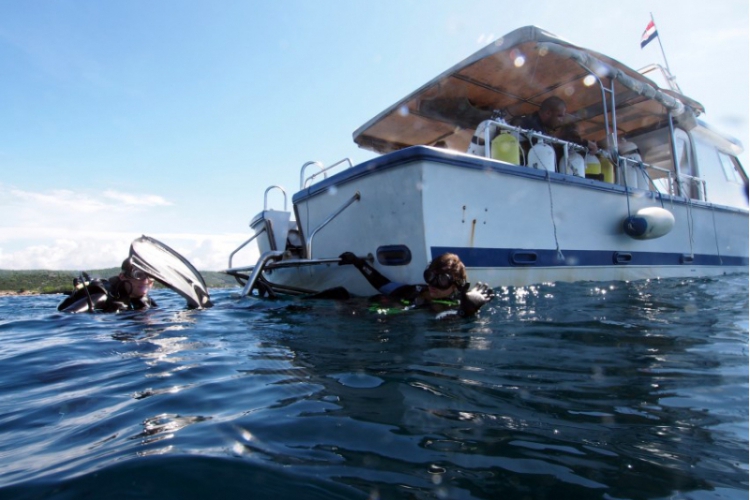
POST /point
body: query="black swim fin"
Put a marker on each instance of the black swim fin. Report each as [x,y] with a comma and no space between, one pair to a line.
[171,270]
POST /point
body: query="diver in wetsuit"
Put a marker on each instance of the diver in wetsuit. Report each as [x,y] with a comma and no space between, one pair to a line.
[126,291]
[149,260]
[446,289]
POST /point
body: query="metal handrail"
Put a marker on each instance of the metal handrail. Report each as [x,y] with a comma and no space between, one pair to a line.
[639,164]
[302,172]
[697,180]
[356,197]
[265,196]
[231,255]
[528,133]
[258,269]
[283,264]
[303,184]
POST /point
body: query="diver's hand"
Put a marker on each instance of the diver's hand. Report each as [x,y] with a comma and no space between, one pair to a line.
[472,300]
[350,258]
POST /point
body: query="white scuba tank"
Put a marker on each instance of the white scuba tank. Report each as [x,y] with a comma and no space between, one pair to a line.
[634,175]
[476,146]
[542,156]
[576,165]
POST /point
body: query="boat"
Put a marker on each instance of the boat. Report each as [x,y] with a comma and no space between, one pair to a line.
[666,196]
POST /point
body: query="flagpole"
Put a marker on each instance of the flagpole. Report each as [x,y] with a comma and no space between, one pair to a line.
[661,46]
[671,77]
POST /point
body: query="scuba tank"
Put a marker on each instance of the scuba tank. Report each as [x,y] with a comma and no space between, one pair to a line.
[476,146]
[506,147]
[633,175]
[576,165]
[593,166]
[541,156]
[608,170]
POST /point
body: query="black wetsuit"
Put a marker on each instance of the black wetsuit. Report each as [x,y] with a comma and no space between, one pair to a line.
[532,122]
[410,296]
[110,295]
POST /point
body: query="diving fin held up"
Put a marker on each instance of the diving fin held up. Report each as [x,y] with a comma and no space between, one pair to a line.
[170,269]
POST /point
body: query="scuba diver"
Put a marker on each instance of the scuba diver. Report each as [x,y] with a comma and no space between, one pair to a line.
[125,292]
[149,261]
[446,290]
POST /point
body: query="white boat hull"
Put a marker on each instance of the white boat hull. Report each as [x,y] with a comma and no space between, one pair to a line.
[510,225]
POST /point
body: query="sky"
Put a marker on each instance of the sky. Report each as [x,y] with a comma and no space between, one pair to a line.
[171,118]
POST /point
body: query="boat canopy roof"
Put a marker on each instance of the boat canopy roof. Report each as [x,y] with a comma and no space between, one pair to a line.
[513,75]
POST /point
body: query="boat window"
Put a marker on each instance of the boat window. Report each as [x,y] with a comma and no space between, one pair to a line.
[730,169]
[656,153]
[718,170]
[394,255]
[689,185]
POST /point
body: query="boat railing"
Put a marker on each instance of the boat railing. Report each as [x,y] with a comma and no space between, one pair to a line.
[691,181]
[248,276]
[686,180]
[494,125]
[243,245]
[309,247]
[262,230]
[303,181]
[644,169]
[258,269]
[265,196]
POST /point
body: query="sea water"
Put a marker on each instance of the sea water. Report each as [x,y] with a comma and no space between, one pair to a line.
[584,390]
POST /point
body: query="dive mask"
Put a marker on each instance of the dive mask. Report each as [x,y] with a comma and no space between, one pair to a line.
[442,280]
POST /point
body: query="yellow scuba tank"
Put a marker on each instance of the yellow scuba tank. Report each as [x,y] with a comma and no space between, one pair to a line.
[608,170]
[506,147]
[593,166]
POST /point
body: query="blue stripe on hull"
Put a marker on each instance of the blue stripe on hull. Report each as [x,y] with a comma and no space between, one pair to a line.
[516,257]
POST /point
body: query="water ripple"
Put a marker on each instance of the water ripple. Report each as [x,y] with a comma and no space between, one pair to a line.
[586,390]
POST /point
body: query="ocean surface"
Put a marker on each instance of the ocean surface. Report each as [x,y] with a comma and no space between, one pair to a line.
[586,390]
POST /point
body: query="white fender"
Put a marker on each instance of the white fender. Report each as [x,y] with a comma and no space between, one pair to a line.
[649,223]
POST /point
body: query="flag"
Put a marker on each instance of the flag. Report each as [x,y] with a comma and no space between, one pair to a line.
[649,34]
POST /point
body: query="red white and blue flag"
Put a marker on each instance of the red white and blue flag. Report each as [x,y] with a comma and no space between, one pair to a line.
[649,34]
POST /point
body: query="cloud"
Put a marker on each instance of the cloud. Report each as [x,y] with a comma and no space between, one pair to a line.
[76,230]
[81,202]
[132,200]
[61,249]
[56,200]
[64,208]
[67,253]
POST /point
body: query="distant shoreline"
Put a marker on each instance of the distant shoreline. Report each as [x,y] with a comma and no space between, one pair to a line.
[9,293]
[44,282]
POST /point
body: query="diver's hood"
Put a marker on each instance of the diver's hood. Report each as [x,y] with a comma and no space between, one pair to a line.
[171,270]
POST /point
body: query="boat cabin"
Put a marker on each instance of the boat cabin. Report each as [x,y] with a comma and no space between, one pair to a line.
[651,136]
